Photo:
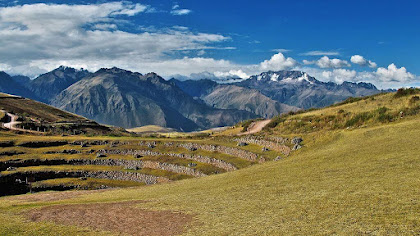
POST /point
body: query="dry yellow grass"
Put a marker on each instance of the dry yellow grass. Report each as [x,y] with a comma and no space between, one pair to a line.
[343,182]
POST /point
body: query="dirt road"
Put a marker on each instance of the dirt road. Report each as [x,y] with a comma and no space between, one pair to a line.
[256,127]
[13,122]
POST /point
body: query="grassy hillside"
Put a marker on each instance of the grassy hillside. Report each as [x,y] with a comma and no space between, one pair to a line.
[37,116]
[36,109]
[360,180]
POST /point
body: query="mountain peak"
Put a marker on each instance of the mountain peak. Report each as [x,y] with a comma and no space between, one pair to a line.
[284,77]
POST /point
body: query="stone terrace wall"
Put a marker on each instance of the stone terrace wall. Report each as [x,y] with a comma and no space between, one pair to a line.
[203,159]
[250,156]
[133,164]
[280,147]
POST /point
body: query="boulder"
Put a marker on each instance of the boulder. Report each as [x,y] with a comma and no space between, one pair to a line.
[100,155]
[297,140]
[192,164]
[296,147]
[242,144]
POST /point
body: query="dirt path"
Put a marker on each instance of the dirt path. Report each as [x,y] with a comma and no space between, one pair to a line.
[256,127]
[13,122]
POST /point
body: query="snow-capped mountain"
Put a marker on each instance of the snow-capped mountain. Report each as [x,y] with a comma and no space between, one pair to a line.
[297,88]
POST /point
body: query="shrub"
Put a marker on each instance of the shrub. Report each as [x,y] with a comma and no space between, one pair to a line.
[414,100]
[406,91]
[358,119]
[274,122]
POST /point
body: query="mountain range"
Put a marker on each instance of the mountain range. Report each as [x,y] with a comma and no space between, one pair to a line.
[129,99]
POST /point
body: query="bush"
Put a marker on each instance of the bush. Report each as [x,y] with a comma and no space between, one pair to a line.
[359,119]
[274,122]
[406,91]
[414,100]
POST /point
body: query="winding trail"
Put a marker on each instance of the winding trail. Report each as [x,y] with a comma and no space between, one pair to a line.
[13,122]
[256,127]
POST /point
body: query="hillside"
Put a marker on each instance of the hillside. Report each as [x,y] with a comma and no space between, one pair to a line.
[358,180]
[37,116]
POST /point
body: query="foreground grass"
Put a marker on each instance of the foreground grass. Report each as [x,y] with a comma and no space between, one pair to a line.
[363,181]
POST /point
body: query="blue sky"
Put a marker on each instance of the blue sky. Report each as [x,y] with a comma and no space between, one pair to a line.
[216,38]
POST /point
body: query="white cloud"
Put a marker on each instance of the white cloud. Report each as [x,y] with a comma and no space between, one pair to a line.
[361,61]
[394,74]
[326,63]
[339,75]
[383,78]
[320,53]
[282,50]
[47,35]
[278,62]
[179,12]
[232,73]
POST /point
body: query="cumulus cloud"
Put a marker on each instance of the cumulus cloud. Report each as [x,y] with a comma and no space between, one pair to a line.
[339,75]
[232,73]
[320,53]
[361,61]
[384,78]
[326,62]
[394,74]
[55,34]
[177,11]
[278,62]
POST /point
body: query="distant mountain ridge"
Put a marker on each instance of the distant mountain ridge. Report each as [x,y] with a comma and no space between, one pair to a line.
[129,99]
[48,85]
[123,98]
[231,96]
[297,88]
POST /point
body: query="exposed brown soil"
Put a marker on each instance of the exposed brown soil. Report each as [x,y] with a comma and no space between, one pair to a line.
[53,196]
[256,127]
[120,218]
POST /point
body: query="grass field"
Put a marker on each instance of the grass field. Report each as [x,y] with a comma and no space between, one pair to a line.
[363,180]
[150,129]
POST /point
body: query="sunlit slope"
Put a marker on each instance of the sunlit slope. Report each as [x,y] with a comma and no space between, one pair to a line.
[344,182]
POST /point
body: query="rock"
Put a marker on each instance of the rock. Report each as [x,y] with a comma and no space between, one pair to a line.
[11,168]
[192,149]
[297,140]
[71,151]
[83,178]
[192,164]
[137,156]
[264,149]
[278,158]
[83,145]
[100,155]
[296,147]
[242,144]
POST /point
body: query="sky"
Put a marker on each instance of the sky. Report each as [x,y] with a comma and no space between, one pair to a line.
[371,41]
